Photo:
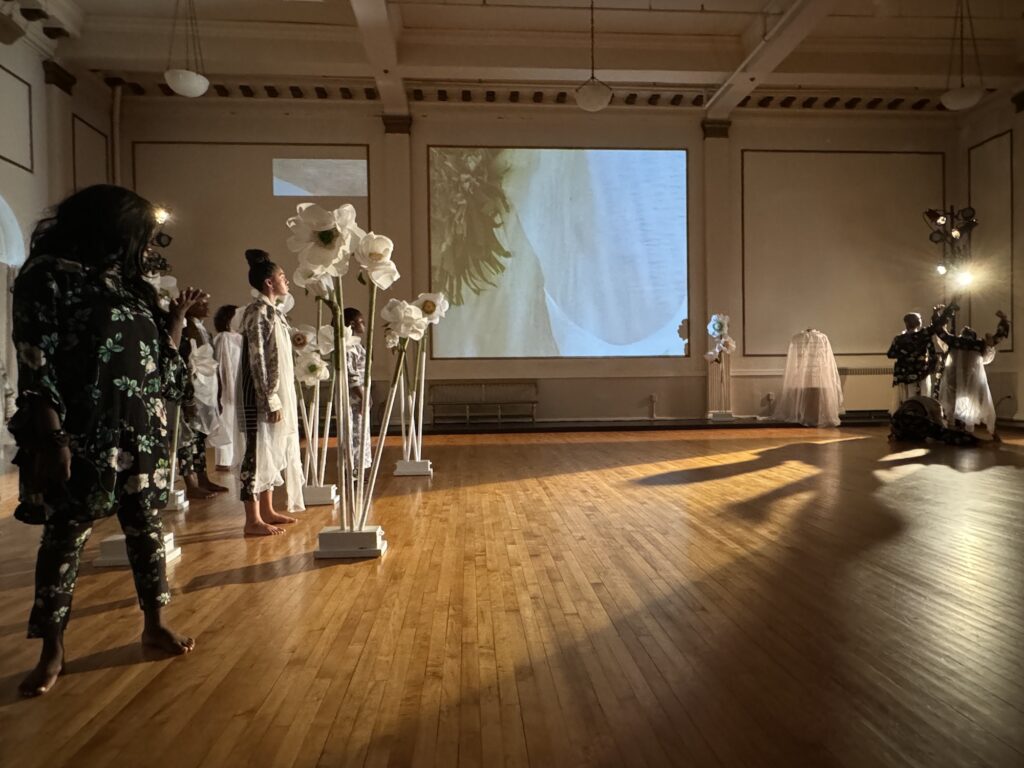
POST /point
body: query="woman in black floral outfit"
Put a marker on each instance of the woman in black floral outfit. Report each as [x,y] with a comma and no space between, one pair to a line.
[96,360]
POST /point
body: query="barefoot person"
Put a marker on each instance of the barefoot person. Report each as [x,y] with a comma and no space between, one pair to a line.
[268,411]
[96,359]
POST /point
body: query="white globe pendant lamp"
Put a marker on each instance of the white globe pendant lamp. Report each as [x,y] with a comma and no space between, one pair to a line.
[963,97]
[593,95]
[187,80]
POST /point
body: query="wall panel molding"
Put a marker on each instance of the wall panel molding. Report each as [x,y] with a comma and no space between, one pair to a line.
[24,159]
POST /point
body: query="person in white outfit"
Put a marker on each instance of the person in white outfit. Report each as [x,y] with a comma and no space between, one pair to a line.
[227,345]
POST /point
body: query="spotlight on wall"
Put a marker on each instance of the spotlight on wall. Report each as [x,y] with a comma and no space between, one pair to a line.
[941,269]
[162,215]
[964,278]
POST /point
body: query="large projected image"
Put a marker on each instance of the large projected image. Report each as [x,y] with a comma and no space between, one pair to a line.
[559,252]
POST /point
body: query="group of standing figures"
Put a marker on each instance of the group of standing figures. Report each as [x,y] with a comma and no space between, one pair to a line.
[940,388]
[101,363]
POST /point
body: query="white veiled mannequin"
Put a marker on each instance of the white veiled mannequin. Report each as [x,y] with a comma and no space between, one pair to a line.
[812,393]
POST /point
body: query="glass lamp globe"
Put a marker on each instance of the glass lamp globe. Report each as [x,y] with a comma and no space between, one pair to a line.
[957,99]
[593,95]
[187,83]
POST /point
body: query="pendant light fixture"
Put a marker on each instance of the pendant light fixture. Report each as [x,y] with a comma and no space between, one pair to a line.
[962,97]
[593,95]
[187,80]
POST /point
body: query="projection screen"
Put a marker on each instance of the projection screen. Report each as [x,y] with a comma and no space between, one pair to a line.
[559,252]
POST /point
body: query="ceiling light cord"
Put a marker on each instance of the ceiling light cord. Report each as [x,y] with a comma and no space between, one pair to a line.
[592,75]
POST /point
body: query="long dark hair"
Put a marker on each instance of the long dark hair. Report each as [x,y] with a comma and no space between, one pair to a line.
[100,227]
[261,268]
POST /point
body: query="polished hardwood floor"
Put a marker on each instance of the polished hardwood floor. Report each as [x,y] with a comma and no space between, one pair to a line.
[794,598]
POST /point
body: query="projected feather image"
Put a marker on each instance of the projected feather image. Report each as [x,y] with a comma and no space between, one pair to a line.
[559,252]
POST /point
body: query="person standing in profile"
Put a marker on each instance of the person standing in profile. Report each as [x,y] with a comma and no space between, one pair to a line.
[227,346]
[97,358]
[267,406]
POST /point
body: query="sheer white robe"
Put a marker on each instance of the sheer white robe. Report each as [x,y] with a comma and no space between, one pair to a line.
[964,393]
[228,348]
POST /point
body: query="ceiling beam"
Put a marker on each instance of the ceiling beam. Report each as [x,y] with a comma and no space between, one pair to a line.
[776,44]
[380,45]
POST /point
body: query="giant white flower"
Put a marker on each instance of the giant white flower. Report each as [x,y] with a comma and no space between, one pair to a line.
[325,339]
[718,326]
[317,281]
[323,238]
[373,249]
[382,274]
[311,369]
[303,337]
[166,288]
[405,319]
[433,305]
[728,345]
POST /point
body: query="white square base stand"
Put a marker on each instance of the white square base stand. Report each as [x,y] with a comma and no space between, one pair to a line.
[177,501]
[320,495]
[114,552]
[332,542]
[721,416]
[414,468]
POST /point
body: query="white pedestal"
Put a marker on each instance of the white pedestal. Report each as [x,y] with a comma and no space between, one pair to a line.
[177,501]
[332,542]
[414,468]
[721,416]
[320,495]
[114,552]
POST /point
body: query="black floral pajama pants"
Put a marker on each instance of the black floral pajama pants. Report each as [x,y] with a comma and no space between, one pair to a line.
[192,455]
[60,554]
[247,469]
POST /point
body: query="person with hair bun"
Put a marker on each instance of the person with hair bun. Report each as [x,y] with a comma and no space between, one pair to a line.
[267,408]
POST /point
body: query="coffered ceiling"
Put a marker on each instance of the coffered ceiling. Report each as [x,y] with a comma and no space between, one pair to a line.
[716,55]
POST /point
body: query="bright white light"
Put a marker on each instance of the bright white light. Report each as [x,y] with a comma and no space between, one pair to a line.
[941,220]
[941,269]
[162,215]
[964,278]
[956,234]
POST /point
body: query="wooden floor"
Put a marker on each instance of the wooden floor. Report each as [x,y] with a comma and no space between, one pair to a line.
[794,598]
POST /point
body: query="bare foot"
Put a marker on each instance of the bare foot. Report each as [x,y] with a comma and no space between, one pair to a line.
[167,640]
[211,486]
[199,494]
[277,518]
[42,678]
[262,529]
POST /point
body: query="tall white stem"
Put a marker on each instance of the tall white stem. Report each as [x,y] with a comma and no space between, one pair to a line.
[322,469]
[385,421]
[421,395]
[303,412]
[406,433]
[364,438]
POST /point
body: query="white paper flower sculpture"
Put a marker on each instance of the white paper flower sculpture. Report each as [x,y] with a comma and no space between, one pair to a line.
[711,355]
[323,239]
[311,369]
[374,256]
[317,282]
[718,326]
[303,338]
[404,319]
[166,289]
[390,339]
[433,305]
[728,345]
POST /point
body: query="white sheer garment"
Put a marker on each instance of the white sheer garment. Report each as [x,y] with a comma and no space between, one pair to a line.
[812,393]
[228,348]
[278,458]
[964,392]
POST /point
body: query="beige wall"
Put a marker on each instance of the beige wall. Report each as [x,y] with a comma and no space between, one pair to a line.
[905,164]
